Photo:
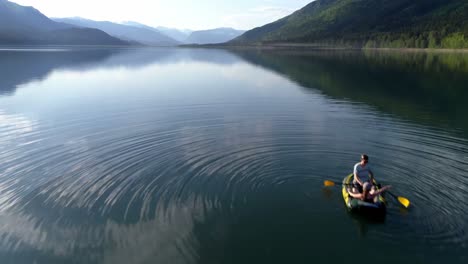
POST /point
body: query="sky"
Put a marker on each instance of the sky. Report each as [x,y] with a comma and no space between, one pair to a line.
[182,14]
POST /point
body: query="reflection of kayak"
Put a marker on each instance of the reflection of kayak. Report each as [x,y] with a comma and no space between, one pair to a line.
[357,205]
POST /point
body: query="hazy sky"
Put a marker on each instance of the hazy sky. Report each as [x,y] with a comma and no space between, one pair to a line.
[188,14]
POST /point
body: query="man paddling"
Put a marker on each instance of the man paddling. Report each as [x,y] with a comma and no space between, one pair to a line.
[363,174]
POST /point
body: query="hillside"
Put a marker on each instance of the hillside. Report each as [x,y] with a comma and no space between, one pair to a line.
[20,25]
[369,23]
[143,35]
[213,36]
[21,18]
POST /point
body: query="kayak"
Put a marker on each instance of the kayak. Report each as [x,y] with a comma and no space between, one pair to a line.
[357,205]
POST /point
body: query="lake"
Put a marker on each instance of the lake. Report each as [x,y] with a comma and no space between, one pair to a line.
[178,155]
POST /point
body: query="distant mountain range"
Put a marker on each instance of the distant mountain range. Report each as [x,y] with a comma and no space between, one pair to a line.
[160,36]
[369,23]
[25,25]
[140,34]
[213,36]
[187,36]
[176,34]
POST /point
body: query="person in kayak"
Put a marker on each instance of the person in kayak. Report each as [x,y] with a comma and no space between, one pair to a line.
[362,174]
[371,195]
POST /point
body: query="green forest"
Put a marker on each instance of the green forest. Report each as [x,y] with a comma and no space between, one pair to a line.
[370,24]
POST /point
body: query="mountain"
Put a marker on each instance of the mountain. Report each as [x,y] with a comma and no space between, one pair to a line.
[16,17]
[213,36]
[176,34]
[26,25]
[370,23]
[144,35]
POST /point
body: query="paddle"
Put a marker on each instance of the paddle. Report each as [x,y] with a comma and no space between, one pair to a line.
[333,183]
[403,201]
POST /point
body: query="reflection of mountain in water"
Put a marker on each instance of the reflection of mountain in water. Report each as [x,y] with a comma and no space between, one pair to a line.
[141,57]
[22,66]
[427,87]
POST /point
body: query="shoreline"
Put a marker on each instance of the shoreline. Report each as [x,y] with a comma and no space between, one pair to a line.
[278,46]
[305,46]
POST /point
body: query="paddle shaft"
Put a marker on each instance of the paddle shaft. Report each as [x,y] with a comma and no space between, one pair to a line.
[346,183]
[393,195]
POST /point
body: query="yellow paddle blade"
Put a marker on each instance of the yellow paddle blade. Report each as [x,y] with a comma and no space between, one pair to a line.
[329,183]
[405,202]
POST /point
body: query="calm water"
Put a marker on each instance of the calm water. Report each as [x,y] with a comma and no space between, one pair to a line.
[211,156]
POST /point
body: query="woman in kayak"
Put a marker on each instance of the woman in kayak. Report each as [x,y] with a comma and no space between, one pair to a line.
[370,192]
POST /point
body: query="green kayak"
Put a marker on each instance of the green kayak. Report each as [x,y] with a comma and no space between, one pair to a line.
[377,206]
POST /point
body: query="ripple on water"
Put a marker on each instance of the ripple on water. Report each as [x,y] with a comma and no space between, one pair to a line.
[136,178]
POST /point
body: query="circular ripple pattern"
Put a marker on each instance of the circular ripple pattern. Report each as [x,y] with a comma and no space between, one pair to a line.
[151,180]
[164,172]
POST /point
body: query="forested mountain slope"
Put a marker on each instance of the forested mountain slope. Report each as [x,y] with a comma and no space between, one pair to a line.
[370,23]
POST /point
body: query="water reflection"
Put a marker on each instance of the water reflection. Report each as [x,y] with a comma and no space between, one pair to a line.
[424,87]
[197,156]
[21,66]
[166,238]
